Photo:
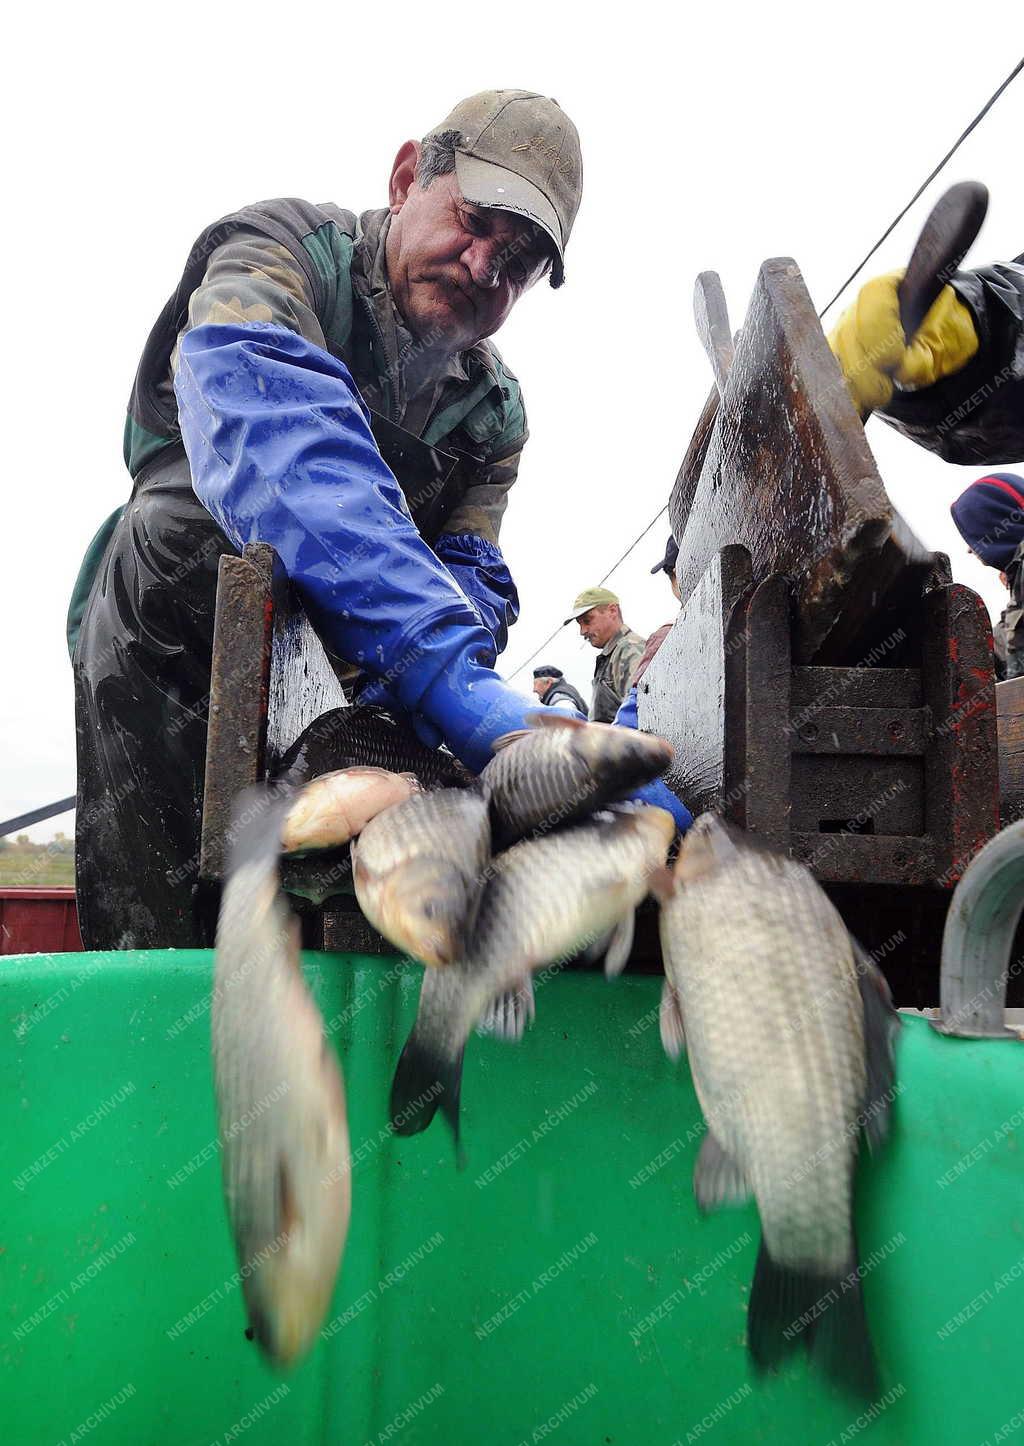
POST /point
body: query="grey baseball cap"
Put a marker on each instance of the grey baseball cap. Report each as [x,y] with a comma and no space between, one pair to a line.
[519,151]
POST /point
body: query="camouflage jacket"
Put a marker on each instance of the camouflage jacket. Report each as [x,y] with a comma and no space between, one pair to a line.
[320,271]
[613,672]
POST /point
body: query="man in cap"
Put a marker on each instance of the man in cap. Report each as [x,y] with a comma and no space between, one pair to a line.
[554,690]
[619,648]
[305,349]
[667,565]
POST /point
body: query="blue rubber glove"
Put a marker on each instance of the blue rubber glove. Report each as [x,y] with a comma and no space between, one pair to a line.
[482,573]
[657,793]
[280,450]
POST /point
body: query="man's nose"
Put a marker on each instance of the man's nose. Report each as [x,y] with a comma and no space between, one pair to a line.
[483,258]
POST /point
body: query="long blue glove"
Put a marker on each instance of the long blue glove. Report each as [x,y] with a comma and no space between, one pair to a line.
[482,573]
[480,570]
[657,793]
[280,450]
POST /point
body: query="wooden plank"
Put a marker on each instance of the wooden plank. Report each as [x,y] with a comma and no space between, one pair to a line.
[768,780]
[682,693]
[859,730]
[961,764]
[239,675]
[870,686]
[788,474]
[303,681]
[1010,729]
[890,859]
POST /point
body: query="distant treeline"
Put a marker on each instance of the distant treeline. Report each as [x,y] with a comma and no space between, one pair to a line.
[59,844]
[28,865]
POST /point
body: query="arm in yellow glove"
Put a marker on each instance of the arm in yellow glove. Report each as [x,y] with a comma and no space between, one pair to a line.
[869,344]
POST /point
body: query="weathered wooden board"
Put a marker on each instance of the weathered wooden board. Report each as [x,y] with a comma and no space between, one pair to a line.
[304,680]
[683,693]
[789,475]
[270,676]
[1010,723]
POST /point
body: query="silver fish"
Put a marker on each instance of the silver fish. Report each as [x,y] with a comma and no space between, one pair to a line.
[560,769]
[332,809]
[546,898]
[280,1098]
[790,1035]
[418,870]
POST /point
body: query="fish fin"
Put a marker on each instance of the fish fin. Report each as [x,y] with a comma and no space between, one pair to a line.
[508,1015]
[718,1179]
[670,1021]
[424,1081]
[620,944]
[507,739]
[662,883]
[881,1027]
[790,1308]
[596,949]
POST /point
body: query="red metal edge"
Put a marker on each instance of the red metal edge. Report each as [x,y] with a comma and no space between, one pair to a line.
[39,921]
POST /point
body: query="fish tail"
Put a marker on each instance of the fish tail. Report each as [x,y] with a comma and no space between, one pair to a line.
[791,1308]
[426,1079]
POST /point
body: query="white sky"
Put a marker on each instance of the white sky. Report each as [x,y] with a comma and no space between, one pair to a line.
[713,137]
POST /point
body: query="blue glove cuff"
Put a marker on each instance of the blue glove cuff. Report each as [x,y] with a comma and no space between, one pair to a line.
[480,570]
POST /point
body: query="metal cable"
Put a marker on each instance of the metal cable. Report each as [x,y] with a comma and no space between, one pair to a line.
[889,229]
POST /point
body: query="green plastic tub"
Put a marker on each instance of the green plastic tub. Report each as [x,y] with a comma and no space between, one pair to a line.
[561,1286]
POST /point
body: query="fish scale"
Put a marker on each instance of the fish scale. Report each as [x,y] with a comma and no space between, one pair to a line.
[559,769]
[761,1081]
[280,1097]
[418,869]
[545,899]
[789,1034]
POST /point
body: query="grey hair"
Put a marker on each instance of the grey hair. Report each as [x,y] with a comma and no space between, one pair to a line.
[437,156]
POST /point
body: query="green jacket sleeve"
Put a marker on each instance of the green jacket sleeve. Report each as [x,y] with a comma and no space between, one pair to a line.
[482,506]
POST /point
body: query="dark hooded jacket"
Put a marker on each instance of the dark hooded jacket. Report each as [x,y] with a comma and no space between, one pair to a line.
[976,416]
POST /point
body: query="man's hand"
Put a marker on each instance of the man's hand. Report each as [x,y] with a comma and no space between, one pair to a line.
[869,344]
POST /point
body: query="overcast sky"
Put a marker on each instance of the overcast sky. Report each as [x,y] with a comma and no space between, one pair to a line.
[711,140]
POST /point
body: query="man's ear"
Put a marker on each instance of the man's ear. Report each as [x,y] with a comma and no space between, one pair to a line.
[403,174]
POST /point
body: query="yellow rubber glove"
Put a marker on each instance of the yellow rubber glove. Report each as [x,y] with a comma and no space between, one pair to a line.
[869,346]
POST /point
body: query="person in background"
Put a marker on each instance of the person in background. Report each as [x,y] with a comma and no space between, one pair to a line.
[989,516]
[554,690]
[599,614]
[626,716]
[667,565]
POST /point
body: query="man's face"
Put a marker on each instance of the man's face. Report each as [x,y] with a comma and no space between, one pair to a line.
[542,686]
[456,270]
[600,625]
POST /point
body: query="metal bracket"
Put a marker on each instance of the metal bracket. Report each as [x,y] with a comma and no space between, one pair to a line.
[978,939]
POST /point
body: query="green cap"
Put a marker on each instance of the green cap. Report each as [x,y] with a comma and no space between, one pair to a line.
[519,151]
[591,597]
